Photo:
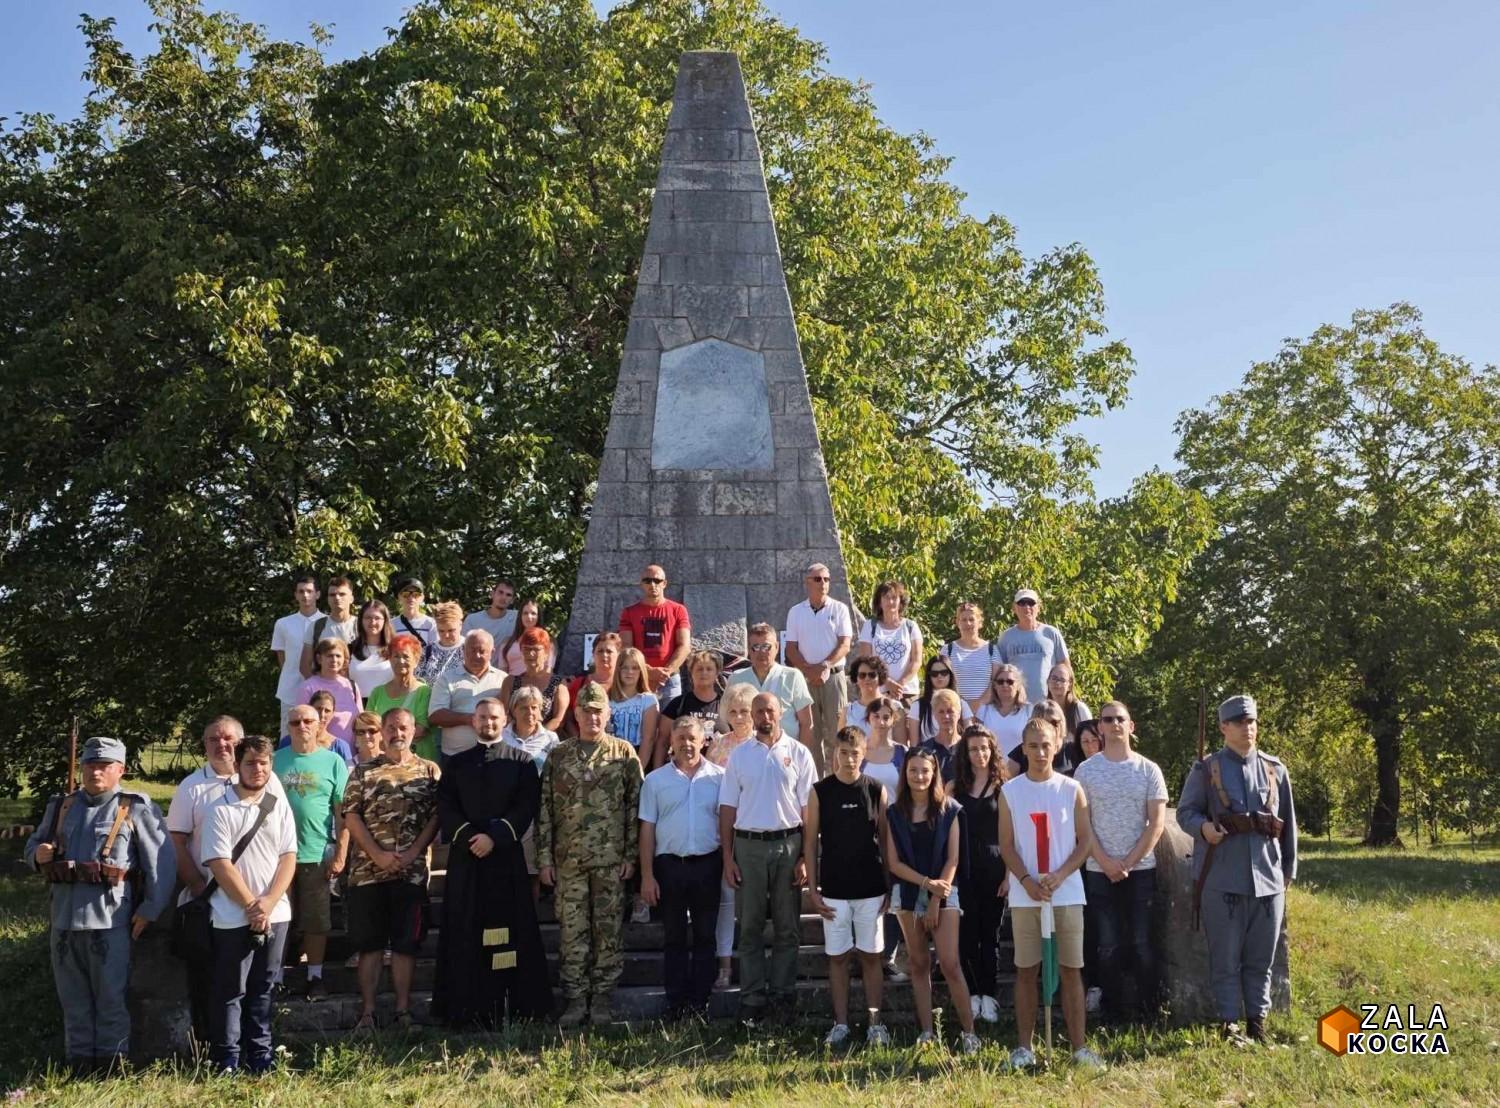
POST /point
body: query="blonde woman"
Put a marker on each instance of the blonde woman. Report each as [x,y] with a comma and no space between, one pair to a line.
[1006,713]
[446,655]
[736,727]
[632,705]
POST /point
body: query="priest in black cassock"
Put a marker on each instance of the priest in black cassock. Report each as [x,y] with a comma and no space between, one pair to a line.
[491,965]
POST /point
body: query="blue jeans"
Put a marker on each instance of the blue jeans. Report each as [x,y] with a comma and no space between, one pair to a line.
[1119,915]
[244,973]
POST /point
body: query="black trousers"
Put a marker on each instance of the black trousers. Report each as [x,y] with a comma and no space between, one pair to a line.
[1119,915]
[979,932]
[689,913]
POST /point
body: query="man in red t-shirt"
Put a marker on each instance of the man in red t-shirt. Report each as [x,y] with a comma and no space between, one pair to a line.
[659,628]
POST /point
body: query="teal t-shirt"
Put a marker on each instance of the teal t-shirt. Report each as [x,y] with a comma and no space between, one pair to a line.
[314,783]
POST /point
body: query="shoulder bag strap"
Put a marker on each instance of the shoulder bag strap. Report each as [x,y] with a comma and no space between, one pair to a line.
[267,803]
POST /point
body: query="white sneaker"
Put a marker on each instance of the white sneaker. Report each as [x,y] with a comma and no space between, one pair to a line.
[968,1043]
[975,1006]
[1084,1058]
[1092,998]
[989,1009]
[1022,1058]
[836,1036]
[927,1038]
[641,913]
[877,1035]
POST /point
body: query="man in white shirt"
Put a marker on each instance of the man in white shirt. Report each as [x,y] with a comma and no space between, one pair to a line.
[195,797]
[287,639]
[766,674]
[251,911]
[339,623]
[455,694]
[818,633]
[499,619]
[681,865]
[1128,807]
[1030,645]
[762,806]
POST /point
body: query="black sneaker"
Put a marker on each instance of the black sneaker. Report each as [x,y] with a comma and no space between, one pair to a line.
[317,989]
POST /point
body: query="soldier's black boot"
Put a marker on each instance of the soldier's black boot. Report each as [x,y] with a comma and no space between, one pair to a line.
[1255,1028]
[80,1066]
[1230,1032]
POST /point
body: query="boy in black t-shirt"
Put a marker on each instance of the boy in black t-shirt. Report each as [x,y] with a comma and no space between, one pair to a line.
[846,817]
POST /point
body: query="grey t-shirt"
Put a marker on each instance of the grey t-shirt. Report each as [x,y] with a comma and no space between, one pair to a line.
[1118,793]
[499,629]
[330,629]
[1034,653]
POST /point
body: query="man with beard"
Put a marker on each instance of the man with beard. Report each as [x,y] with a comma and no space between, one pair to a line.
[491,965]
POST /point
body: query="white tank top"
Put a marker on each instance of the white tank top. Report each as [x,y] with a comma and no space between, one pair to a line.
[1057,796]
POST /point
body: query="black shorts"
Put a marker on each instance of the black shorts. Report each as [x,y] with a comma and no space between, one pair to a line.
[388,915]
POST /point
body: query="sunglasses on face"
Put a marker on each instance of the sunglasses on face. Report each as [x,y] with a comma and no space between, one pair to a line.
[940,673]
[1004,681]
[653,580]
[1026,603]
[1114,719]
[760,647]
[866,674]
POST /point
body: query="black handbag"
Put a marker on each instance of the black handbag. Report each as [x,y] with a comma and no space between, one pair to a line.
[193,925]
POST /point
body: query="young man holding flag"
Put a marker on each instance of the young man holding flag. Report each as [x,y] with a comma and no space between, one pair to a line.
[1045,836]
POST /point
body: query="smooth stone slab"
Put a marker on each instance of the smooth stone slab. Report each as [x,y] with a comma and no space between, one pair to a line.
[720,616]
[713,410]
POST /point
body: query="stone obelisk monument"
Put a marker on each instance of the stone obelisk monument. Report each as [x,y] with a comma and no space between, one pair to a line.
[712,466]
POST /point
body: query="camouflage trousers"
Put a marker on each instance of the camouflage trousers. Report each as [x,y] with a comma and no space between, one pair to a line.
[590,904]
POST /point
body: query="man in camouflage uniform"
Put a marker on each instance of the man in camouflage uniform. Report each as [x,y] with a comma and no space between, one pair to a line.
[106,854]
[1237,806]
[586,837]
[390,808]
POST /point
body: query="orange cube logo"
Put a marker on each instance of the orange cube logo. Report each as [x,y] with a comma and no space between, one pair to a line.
[1334,1029]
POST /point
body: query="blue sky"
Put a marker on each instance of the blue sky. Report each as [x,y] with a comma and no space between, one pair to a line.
[1240,173]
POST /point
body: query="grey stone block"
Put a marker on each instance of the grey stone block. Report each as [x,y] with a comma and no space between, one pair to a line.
[749,333]
[739,498]
[716,176]
[638,465]
[710,309]
[712,409]
[711,269]
[749,147]
[782,365]
[774,532]
[790,398]
[702,145]
[719,617]
[682,498]
[812,468]
[653,300]
[628,398]
[673,333]
[794,430]
[650,272]
[801,498]
[612,466]
[822,531]
[770,270]
[589,605]
[628,431]
[788,464]
[623,498]
[632,532]
[747,567]
[757,206]
[731,207]
[721,533]
[640,334]
[599,567]
[758,238]
[770,603]
[696,565]
[639,365]
[770,302]
[668,474]
[781,334]
[681,236]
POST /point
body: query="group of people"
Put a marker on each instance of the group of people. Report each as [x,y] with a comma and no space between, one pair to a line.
[925,801]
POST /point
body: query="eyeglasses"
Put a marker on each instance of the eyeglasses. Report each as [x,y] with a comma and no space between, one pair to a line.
[1026,603]
[1114,719]
[760,647]
[653,580]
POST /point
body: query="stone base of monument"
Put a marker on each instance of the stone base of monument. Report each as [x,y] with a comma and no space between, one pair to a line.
[161,1024]
[1184,949]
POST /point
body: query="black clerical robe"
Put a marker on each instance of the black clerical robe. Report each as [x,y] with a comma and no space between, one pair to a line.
[491,964]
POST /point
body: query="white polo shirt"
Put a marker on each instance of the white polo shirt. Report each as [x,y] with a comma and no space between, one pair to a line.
[198,792]
[817,633]
[460,692]
[768,786]
[230,819]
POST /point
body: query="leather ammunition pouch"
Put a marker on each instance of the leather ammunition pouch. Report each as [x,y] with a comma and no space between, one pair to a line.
[68,872]
[1261,823]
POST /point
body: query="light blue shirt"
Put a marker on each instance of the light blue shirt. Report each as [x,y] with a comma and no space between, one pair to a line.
[685,809]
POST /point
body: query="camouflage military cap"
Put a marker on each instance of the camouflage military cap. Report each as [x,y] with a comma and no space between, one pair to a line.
[592,695]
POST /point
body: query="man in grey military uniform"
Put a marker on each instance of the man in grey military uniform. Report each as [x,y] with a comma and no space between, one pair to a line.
[1237,803]
[106,854]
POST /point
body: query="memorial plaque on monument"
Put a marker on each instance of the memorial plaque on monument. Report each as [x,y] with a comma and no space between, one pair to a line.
[711,467]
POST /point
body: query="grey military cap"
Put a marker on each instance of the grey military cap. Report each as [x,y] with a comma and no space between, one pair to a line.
[102,749]
[1237,706]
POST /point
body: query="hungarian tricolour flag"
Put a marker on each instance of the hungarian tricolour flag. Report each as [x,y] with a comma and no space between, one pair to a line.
[1049,936]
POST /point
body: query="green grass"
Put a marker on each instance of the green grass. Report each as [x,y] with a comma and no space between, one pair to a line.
[1416,927]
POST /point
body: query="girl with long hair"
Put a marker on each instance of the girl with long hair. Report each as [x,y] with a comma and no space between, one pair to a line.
[979,773]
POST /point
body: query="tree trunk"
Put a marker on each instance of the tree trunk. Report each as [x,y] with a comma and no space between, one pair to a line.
[1386,730]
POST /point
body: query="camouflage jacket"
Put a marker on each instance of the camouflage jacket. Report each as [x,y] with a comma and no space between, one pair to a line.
[590,794]
[395,803]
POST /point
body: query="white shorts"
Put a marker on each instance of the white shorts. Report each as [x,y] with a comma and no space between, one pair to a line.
[855,924]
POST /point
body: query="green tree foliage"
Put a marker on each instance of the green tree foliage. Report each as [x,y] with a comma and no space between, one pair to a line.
[1352,583]
[261,312]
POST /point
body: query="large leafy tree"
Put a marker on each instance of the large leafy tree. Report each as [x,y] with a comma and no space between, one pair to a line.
[1352,582]
[261,312]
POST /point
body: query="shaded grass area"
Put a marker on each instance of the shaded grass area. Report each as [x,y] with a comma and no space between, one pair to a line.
[1367,926]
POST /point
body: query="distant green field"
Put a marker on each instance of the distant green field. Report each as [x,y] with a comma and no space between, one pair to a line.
[1417,927]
